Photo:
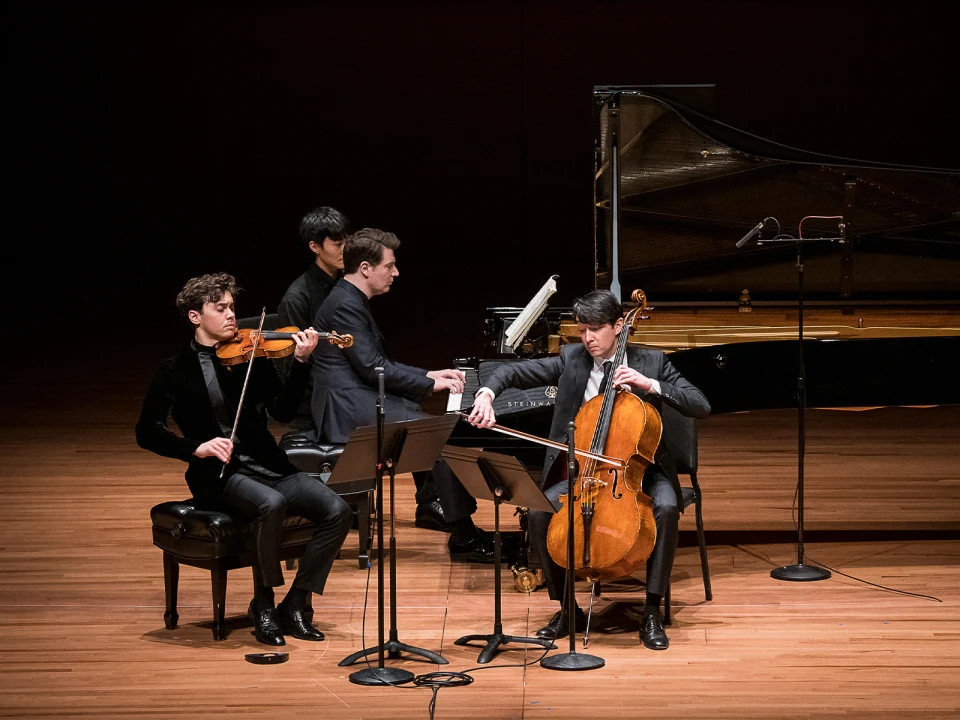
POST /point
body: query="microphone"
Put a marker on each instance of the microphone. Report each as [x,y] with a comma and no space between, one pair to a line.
[756,229]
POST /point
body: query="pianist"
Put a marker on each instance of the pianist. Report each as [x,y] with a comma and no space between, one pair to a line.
[580,373]
[345,386]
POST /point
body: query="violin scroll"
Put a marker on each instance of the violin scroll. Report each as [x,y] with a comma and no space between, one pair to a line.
[341,341]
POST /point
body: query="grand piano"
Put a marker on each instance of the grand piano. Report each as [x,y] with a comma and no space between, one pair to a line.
[674,191]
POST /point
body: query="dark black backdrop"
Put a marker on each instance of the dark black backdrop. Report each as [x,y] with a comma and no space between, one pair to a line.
[147,145]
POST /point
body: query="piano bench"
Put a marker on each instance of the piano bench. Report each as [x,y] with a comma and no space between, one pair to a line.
[215,541]
[318,460]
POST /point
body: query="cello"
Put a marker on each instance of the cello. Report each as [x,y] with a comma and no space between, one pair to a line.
[614,532]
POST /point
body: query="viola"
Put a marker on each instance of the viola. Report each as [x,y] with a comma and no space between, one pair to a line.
[274,344]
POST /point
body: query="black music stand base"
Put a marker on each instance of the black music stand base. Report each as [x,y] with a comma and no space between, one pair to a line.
[380,676]
[499,489]
[393,648]
[799,573]
[572,661]
[496,639]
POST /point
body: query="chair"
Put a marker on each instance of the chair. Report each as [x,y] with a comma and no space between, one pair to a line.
[682,443]
[211,539]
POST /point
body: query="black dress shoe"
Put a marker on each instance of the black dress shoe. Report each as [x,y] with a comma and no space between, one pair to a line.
[429,516]
[295,623]
[265,625]
[652,633]
[559,625]
[479,549]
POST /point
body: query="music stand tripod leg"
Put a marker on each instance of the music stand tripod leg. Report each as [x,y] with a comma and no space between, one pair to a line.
[496,639]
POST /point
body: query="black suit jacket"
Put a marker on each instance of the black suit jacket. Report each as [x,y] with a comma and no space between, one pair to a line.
[570,371]
[344,381]
[298,307]
[178,390]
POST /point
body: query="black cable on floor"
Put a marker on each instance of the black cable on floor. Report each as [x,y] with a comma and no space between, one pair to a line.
[796,527]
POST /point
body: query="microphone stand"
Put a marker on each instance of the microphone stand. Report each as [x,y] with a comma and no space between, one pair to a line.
[800,571]
[571,660]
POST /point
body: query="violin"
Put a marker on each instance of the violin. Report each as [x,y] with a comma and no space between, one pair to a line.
[614,532]
[274,344]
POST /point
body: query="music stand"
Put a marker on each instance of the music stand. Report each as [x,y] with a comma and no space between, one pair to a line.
[408,446]
[502,479]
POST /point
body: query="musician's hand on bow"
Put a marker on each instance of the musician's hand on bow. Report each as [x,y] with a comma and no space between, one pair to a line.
[451,380]
[482,415]
[306,341]
[624,375]
[220,447]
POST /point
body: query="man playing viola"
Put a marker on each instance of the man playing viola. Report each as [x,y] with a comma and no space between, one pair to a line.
[259,484]
[581,372]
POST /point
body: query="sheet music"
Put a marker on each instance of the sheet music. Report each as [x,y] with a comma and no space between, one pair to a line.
[521,326]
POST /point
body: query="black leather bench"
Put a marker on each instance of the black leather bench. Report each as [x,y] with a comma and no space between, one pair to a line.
[215,541]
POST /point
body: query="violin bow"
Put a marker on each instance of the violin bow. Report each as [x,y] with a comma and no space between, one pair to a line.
[243,392]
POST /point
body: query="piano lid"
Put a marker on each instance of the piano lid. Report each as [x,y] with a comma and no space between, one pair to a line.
[691,186]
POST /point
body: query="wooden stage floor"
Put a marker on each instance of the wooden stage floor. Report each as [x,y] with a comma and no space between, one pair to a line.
[81,599]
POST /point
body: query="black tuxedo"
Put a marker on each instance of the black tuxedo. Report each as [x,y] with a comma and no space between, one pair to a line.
[299,307]
[260,484]
[569,372]
[345,390]
[344,381]
[179,390]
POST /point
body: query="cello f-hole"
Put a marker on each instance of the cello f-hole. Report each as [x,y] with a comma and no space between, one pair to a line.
[616,478]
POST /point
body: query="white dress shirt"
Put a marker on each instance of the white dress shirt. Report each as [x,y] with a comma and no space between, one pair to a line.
[593,382]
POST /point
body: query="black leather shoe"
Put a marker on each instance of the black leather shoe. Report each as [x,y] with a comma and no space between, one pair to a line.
[652,634]
[477,550]
[559,625]
[429,516]
[265,625]
[294,623]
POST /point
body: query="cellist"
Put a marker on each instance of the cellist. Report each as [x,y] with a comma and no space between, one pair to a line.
[581,372]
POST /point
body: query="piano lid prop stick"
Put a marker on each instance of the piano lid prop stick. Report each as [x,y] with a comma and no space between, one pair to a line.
[528,316]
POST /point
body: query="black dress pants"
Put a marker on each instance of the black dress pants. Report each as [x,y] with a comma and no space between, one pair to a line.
[442,483]
[666,514]
[266,499]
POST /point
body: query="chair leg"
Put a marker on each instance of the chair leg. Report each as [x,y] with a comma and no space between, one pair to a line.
[171,583]
[363,521]
[666,606]
[218,581]
[704,567]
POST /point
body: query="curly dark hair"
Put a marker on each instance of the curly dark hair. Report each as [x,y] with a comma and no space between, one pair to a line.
[367,245]
[204,289]
[322,223]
